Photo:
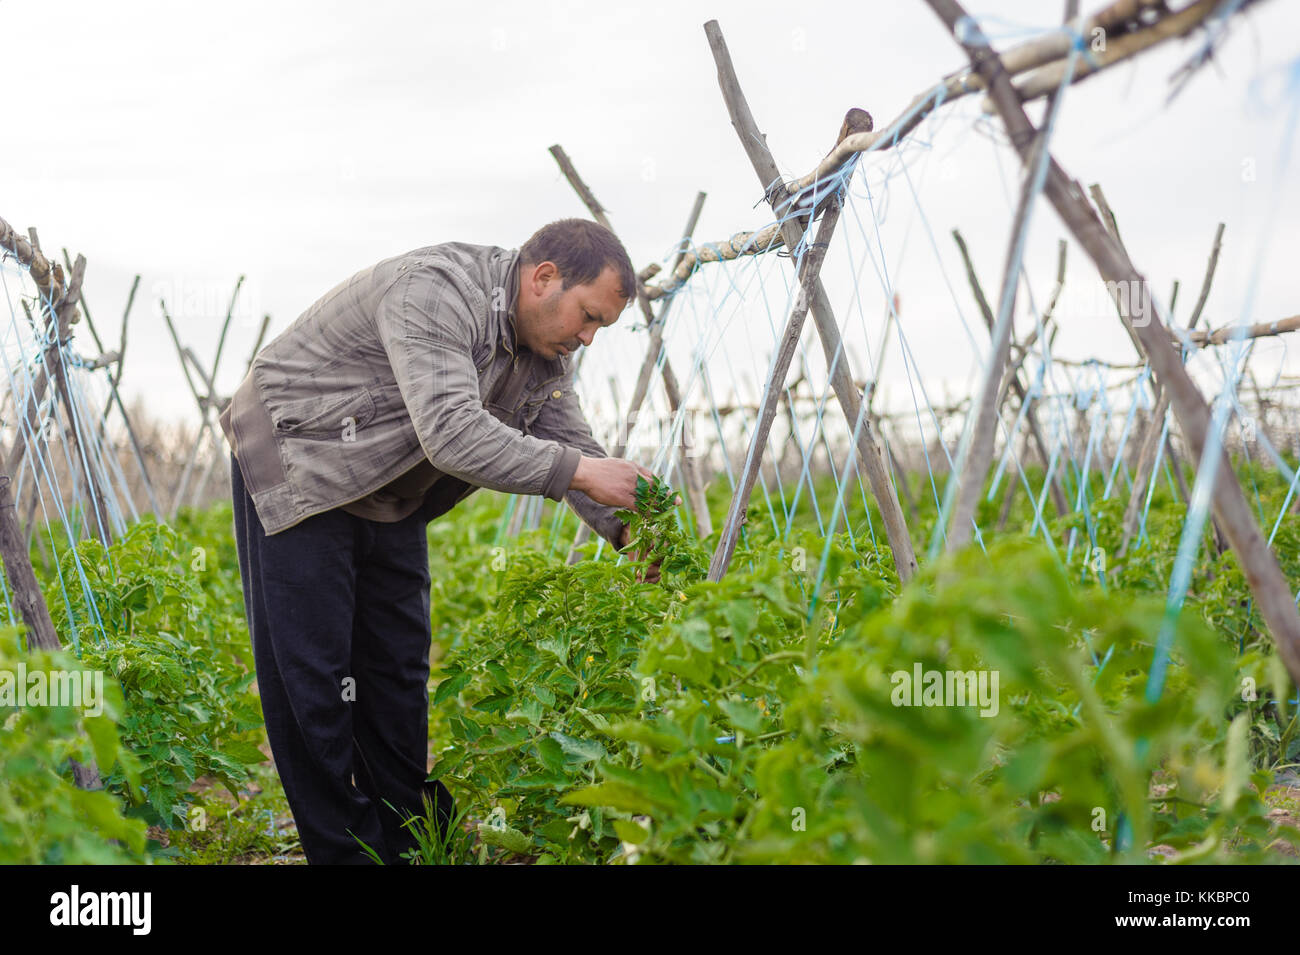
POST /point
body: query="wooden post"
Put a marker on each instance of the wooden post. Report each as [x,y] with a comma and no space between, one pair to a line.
[1009,495]
[1154,426]
[896,467]
[1271,590]
[205,427]
[116,376]
[27,596]
[29,418]
[59,301]
[115,398]
[695,493]
[58,312]
[1013,373]
[211,402]
[808,272]
[59,322]
[257,345]
[850,399]
[795,440]
[189,380]
[974,457]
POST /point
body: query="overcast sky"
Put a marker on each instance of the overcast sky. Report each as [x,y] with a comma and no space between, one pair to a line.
[296,143]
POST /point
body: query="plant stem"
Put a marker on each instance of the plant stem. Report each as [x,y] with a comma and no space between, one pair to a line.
[1285,742]
[770,658]
[715,773]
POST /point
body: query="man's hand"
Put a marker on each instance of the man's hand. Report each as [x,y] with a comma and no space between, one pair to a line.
[652,571]
[609,481]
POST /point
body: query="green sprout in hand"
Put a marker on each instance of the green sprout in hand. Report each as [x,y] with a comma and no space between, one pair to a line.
[653,533]
[655,497]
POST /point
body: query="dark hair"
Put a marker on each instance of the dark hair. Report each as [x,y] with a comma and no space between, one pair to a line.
[580,249]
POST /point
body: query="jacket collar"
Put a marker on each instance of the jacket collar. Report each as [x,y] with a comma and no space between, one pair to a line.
[505,273]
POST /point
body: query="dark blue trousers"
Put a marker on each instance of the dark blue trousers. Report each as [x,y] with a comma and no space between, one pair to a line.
[338,609]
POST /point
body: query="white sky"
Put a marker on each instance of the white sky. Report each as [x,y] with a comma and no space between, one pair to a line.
[298,142]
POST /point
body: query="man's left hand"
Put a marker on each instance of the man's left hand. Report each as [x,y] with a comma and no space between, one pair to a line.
[651,575]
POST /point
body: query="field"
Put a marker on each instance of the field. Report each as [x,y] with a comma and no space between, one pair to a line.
[578,714]
[951,359]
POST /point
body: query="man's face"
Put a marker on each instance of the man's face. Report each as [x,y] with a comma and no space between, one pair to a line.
[553,323]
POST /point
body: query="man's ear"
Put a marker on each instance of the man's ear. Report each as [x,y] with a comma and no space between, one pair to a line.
[534,278]
[547,274]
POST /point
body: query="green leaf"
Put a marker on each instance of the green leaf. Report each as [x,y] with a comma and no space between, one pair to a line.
[557,645]
[243,752]
[629,831]
[103,738]
[697,634]
[529,710]
[450,687]
[550,754]
[512,840]
[614,795]
[744,715]
[742,617]
[581,750]
[546,780]
[495,702]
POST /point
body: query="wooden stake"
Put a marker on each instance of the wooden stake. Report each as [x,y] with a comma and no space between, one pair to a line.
[868,449]
[975,461]
[1013,373]
[115,398]
[27,596]
[205,402]
[1149,440]
[1271,590]
[82,453]
[808,272]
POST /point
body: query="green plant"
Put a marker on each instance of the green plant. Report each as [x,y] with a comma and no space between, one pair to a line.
[157,605]
[530,685]
[653,529]
[218,832]
[1075,755]
[45,818]
[435,843]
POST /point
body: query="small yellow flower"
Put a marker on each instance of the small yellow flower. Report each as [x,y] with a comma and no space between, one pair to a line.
[681,595]
[590,658]
[584,694]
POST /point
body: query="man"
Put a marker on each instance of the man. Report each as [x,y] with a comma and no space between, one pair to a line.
[389,400]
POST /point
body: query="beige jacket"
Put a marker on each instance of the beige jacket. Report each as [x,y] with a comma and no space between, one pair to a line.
[412,359]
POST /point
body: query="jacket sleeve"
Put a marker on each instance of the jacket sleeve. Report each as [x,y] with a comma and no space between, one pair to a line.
[426,322]
[561,419]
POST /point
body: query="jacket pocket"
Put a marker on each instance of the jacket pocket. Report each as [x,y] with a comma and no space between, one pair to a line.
[531,410]
[309,417]
[504,414]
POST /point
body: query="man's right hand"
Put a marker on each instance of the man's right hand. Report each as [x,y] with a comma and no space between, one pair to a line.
[609,481]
